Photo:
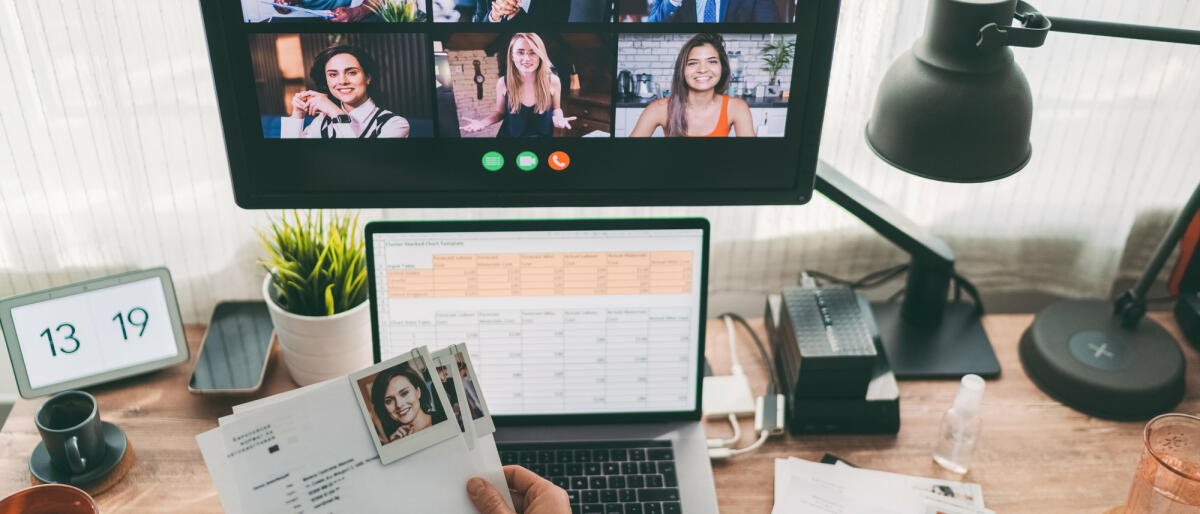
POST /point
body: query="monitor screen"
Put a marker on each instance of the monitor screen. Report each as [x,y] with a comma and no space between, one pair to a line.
[444,103]
[557,322]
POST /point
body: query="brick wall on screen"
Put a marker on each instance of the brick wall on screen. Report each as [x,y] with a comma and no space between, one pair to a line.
[655,54]
[462,72]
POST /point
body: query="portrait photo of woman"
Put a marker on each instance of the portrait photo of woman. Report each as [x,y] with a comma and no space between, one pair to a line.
[403,403]
[528,101]
[698,105]
[341,103]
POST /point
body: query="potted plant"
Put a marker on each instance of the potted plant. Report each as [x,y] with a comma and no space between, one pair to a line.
[777,55]
[316,291]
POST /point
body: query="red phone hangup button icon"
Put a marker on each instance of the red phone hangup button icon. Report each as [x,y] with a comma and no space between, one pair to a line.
[559,160]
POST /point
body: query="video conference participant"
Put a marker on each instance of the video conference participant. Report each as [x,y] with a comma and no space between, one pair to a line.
[345,73]
[713,11]
[698,105]
[529,99]
[402,394]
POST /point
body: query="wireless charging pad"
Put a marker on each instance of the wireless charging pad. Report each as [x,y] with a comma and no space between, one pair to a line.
[1077,352]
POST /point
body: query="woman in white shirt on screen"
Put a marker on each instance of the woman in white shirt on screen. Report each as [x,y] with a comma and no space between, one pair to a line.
[342,101]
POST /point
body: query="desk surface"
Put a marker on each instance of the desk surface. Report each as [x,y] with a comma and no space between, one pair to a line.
[1034,455]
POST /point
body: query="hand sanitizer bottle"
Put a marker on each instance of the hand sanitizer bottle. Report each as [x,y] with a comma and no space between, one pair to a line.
[960,427]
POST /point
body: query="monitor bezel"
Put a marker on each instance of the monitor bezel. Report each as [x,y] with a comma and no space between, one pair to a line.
[409,227]
[824,27]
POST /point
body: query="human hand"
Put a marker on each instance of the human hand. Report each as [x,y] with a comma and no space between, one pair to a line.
[350,14]
[282,10]
[401,431]
[473,125]
[531,494]
[560,121]
[300,103]
[319,103]
[502,9]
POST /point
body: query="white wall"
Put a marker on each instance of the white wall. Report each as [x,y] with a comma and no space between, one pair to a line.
[111,159]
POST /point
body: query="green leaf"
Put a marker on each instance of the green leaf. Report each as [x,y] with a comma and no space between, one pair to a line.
[316,264]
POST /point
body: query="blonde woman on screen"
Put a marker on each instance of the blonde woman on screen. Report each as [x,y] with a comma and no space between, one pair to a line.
[698,105]
[529,97]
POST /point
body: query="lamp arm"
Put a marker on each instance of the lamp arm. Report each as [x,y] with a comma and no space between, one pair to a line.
[1034,26]
[932,266]
[1124,30]
[1130,307]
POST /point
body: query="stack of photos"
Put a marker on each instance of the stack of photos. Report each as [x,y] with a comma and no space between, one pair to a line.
[361,69]
[416,400]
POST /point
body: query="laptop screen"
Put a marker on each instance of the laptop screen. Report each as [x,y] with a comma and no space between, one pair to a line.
[556,321]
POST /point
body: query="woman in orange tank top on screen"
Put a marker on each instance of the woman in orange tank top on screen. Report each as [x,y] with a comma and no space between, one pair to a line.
[698,105]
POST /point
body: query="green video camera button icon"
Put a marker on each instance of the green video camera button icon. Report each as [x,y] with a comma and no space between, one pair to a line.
[527,161]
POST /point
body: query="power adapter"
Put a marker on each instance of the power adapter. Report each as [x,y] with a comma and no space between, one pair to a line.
[725,395]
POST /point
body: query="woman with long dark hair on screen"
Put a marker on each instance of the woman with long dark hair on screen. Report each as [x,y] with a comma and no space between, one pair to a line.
[698,105]
[344,77]
[403,402]
[529,98]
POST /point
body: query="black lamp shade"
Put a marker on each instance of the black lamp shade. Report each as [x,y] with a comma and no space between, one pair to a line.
[949,110]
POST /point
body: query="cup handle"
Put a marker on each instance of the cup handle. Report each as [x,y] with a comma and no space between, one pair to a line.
[74,459]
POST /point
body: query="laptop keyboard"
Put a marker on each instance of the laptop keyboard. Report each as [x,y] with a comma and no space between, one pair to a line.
[609,477]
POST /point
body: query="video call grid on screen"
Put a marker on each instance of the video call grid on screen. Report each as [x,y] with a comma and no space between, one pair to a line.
[557,322]
[436,105]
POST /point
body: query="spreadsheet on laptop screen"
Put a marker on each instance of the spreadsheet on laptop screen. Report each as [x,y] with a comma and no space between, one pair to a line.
[556,322]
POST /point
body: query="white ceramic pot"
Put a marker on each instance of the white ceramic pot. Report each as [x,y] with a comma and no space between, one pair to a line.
[317,348]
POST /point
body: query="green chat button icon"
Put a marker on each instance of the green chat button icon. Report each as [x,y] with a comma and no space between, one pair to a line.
[493,161]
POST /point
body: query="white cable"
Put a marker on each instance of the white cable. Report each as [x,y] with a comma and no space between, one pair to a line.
[762,438]
[725,443]
[725,453]
[733,358]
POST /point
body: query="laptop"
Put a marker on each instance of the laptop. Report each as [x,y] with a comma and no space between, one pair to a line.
[587,336]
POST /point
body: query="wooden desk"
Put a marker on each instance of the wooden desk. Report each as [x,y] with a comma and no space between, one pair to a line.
[1034,455]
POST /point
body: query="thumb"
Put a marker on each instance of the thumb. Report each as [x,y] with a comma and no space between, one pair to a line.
[486,498]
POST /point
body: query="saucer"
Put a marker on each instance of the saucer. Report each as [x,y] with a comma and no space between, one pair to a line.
[42,469]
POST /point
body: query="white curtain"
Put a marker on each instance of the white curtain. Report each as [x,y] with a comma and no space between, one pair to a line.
[112,159]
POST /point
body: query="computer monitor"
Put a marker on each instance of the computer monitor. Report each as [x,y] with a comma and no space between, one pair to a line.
[450,103]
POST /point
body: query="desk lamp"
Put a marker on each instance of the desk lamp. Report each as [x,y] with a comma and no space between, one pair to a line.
[957,108]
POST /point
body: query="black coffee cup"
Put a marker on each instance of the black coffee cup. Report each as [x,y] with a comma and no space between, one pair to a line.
[70,426]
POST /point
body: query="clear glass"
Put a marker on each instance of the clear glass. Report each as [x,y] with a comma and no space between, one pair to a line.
[1167,480]
[956,440]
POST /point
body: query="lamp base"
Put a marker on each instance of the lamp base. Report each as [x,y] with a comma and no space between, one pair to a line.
[955,347]
[1077,352]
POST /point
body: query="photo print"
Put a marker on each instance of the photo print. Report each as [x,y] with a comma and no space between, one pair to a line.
[404,406]
[447,372]
[706,11]
[476,404]
[334,11]
[342,86]
[524,85]
[703,85]
[520,11]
